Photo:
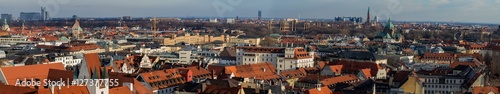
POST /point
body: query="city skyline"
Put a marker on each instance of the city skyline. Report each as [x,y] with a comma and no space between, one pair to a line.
[480,11]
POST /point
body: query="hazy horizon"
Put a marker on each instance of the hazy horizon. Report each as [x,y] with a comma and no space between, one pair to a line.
[476,11]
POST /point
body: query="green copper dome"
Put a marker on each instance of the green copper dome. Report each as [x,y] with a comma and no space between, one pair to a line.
[389,24]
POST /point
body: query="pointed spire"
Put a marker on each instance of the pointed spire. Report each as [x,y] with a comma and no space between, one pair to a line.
[76,73]
[95,74]
[455,37]
[104,73]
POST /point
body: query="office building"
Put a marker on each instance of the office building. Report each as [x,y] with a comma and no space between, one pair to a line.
[230,20]
[127,18]
[30,16]
[213,20]
[7,17]
[75,17]
[44,14]
[260,15]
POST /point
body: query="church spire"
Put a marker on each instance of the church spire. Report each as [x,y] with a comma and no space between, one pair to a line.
[368,16]
[5,26]
[76,29]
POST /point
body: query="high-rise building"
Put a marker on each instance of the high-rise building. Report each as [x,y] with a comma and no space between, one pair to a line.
[30,16]
[375,19]
[7,17]
[44,14]
[260,15]
[213,20]
[75,17]
[127,18]
[230,20]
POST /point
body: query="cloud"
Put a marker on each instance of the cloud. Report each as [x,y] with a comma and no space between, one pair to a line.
[439,2]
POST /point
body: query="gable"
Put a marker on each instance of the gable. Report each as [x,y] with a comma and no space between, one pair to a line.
[93,64]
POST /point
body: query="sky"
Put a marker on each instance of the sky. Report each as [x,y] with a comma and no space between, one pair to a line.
[481,11]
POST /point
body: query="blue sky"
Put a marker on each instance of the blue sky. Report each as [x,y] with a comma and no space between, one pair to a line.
[484,11]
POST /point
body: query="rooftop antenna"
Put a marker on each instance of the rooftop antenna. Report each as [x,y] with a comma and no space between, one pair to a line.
[299,16]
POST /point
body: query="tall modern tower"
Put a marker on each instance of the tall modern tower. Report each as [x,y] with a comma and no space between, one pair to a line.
[260,15]
[44,14]
[7,17]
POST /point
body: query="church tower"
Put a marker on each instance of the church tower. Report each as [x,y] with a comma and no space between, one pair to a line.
[368,16]
[389,27]
[5,26]
[76,30]
[368,23]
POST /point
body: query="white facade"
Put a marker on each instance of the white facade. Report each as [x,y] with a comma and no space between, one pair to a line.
[230,20]
[433,85]
[145,62]
[68,61]
[282,60]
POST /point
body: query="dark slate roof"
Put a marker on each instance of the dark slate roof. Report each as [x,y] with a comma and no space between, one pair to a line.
[31,52]
[359,55]
[228,54]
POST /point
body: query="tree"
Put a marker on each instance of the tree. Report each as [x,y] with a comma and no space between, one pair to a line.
[268,41]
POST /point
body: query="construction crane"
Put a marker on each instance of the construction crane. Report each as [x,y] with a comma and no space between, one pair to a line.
[154,27]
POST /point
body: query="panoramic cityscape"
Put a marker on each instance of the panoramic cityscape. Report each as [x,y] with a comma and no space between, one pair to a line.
[249,47]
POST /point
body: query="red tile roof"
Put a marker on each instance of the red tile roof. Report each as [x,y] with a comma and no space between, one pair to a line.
[93,63]
[65,90]
[120,90]
[339,79]
[337,69]
[367,72]
[485,90]
[301,53]
[197,71]
[261,71]
[293,73]
[455,64]
[10,89]
[163,78]
[352,66]
[438,56]
[324,90]
[39,71]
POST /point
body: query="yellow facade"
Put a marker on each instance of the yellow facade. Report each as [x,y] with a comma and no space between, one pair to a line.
[251,41]
[192,39]
[412,85]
